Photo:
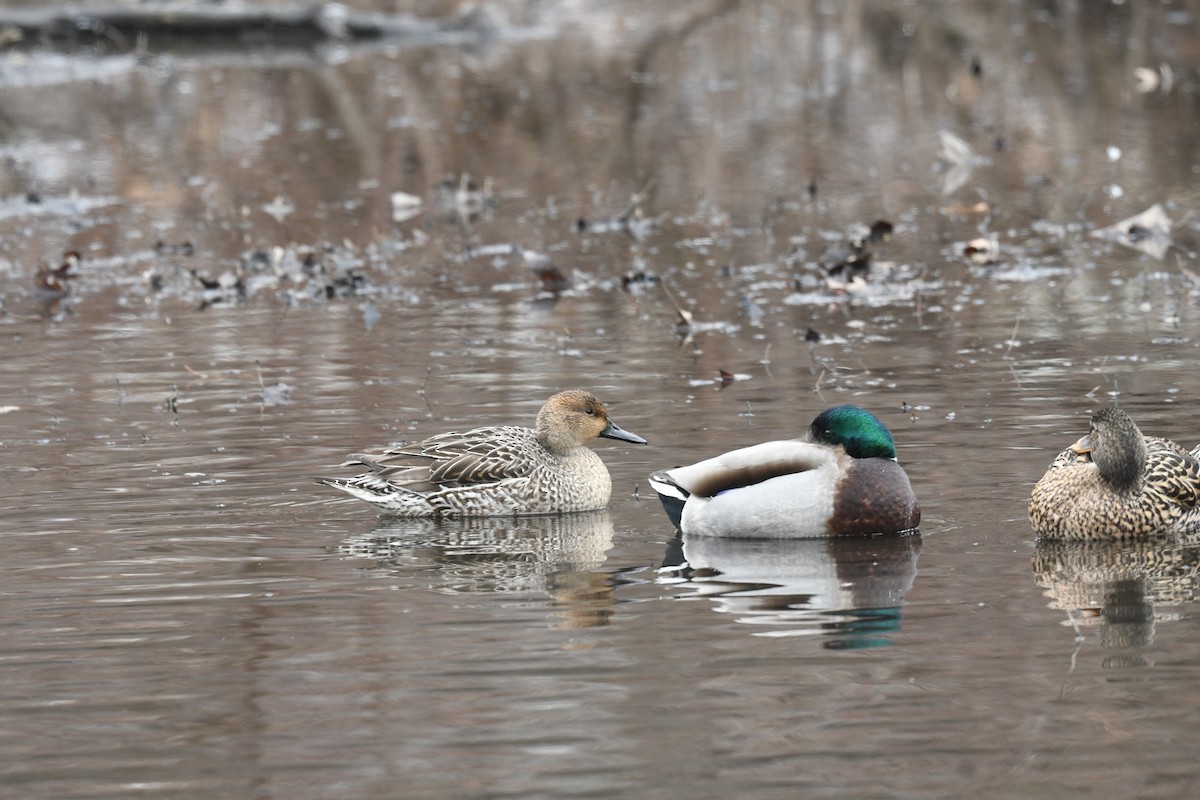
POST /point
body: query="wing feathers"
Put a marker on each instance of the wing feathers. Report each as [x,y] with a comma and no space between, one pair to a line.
[750,465]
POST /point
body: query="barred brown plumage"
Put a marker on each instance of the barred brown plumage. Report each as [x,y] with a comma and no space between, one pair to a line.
[498,470]
[1116,483]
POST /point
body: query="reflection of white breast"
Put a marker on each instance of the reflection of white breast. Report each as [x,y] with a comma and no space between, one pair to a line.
[763,569]
[803,585]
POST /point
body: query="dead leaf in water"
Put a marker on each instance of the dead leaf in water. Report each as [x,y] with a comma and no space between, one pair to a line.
[1148,232]
[972,208]
[981,251]
[280,208]
[961,158]
[1192,277]
[405,206]
[1147,79]
[544,268]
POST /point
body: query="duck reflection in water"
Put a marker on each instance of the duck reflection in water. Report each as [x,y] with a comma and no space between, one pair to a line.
[1120,589]
[555,555]
[850,589]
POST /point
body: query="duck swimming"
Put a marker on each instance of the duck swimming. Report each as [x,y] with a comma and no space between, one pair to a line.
[840,479]
[498,470]
[1116,483]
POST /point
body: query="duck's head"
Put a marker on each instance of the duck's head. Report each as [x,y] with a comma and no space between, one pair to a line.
[857,430]
[573,418]
[1116,446]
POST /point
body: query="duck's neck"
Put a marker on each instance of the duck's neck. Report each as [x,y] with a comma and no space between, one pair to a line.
[554,438]
[1125,467]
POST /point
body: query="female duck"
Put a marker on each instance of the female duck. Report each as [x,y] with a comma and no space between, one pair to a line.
[1116,483]
[840,479]
[496,471]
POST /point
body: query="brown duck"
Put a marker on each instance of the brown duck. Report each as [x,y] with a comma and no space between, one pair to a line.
[1116,483]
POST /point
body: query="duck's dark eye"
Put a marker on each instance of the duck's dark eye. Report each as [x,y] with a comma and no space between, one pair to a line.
[591,412]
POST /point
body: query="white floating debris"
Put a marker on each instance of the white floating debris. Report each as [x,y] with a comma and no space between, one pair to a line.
[961,158]
[1148,232]
[980,251]
[1147,79]
[280,208]
[405,206]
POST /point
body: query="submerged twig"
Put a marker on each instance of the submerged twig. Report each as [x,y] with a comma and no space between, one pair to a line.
[421,391]
[1012,339]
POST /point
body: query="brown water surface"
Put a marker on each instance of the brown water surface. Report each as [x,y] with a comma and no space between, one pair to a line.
[186,615]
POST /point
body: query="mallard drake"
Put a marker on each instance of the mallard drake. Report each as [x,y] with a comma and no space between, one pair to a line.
[498,470]
[841,478]
[1116,483]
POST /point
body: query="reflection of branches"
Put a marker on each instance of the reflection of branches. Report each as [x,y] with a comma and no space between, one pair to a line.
[646,55]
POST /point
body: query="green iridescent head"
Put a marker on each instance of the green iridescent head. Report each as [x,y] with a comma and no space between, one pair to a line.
[857,430]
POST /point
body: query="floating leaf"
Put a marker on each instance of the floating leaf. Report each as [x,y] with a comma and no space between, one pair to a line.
[1148,232]
[280,208]
[405,206]
[543,267]
[981,251]
[961,158]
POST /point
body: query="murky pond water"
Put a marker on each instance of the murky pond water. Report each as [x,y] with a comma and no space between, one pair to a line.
[186,615]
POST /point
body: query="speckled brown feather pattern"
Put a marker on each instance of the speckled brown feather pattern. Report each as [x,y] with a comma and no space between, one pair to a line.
[496,470]
[1075,500]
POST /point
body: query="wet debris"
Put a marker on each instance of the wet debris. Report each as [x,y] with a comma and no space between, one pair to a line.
[751,310]
[1149,79]
[184,248]
[849,269]
[549,276]
[280,208]
[463,199]
[405,206]
[630,220]
[724,378]
[961,160]
[277,394]
[981,208]
[226,287]
[455,199]
[551,280]
[683,317]
[1148,232]
[687,326]
[852,257]
[304,273]
[321,272]
[637,278]
[980,252]
[52,289]
[1192,279]
[51,283]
